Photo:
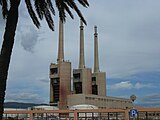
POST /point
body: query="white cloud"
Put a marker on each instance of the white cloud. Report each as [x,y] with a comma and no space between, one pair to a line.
[140,85]
[128,44]
[29,37]
[128,85]
[121,85]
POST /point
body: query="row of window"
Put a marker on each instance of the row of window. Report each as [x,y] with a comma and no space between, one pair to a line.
[104,99]
[110,107]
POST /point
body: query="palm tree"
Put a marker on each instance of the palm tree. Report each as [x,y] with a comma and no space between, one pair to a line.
[44,9]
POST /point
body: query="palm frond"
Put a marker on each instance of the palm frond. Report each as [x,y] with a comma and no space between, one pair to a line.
[48,16]
[32,13]
[60,7]
[50,5]
[39,8]
[49,20]
[68,11]
[44,8]
[74,6]
[69,4]
[64,5]
[84,3]
[4,8]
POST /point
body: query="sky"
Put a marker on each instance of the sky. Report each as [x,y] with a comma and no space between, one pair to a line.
[129,50]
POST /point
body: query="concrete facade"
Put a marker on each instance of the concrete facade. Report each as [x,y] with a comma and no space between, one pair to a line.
[88,87]
[99,82]
[60,84]
[82,77]
[60,76]
[82,81]
[102,102]
[98,78]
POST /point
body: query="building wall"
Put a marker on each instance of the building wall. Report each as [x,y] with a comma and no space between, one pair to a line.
[52,75]
[65,83]
[87,81]
[64,77]
[75,99]
[100,82]
[102,102]
[84,86]
[84,78]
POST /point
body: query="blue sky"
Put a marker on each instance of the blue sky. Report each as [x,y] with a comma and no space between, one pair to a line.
[129,51]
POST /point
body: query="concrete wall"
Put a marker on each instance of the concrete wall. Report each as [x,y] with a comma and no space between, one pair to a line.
[101,82]
[64,75]
[102,102]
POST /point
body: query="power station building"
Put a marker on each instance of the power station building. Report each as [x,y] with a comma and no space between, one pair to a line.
[88,87]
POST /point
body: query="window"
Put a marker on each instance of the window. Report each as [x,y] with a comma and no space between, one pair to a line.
[78,87]
[54,70]
[93,79]
[94,89]
[86,97]
[55,86]
[76,76]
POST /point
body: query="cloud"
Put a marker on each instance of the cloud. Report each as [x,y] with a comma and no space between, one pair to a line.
[27,33]
[24,97]
[150,100]
[121,85]
[129,85]
[140,85]
[2,21]
[44,80]
[128,44]
[29,37]
[128,31]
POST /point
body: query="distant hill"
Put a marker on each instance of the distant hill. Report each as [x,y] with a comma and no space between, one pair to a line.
[19,105]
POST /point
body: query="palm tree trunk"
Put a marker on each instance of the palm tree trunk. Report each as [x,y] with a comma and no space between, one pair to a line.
[6,51]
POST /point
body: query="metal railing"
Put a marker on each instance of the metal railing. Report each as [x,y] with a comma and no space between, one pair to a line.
[96,114]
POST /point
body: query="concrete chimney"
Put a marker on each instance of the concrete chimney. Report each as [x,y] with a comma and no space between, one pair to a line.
[96,58]
[81,56]
[61,43]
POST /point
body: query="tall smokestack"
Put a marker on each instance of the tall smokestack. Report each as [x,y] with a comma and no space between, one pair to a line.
[96,59]
[61,43]
[81,58]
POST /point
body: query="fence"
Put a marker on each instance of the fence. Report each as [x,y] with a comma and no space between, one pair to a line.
[96,114]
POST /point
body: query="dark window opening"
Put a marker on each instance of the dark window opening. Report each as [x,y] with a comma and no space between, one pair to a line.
[78,87]
[55,85]
[54,70]
[76,76]
[95,89]
[93,79]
